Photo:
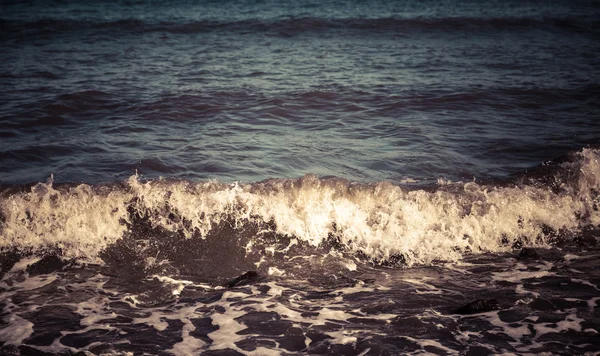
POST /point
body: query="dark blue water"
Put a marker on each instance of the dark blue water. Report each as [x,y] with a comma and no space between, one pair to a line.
[247,91]
[313,177]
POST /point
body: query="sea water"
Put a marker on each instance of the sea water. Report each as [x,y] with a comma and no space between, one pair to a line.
[307,177]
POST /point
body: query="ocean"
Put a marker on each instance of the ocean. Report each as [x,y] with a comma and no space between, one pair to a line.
[326,177]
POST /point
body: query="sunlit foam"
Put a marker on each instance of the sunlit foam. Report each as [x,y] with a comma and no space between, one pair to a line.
[377,220]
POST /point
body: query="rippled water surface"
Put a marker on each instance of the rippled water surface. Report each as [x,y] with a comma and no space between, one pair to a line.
[248,91]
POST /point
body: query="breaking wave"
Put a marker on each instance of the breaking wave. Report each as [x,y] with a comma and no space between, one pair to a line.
[380,222]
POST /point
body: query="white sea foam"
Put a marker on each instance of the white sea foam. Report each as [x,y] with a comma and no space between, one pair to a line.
[189,344]
[378,220]
[80,220]
[274,271]
[16,330]
[23,263]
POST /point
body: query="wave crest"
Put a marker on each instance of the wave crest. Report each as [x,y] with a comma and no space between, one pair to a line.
[378,221]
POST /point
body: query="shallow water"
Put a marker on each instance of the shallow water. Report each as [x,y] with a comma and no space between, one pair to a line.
[262,178]
[548,304]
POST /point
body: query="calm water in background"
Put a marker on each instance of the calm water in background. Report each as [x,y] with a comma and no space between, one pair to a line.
[253,90]
[344,124]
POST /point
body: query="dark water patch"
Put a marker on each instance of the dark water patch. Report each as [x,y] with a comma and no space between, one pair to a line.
[289,27]
[528,253]
[156,165]
[579,343]
[479,306]
[30,351]
[542,305]
[145,338]
[48,264]
[49,320]
[30,75]
[226,352]
[246,278]
[41,153]
[79,341]
[513,315]
[8,259]
[37,121]
[87,97]
[275,326]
